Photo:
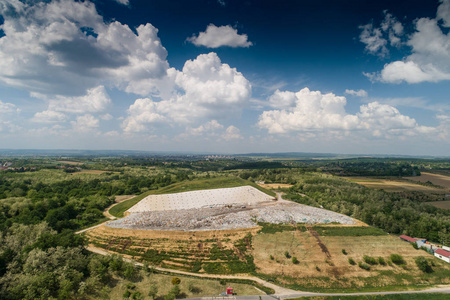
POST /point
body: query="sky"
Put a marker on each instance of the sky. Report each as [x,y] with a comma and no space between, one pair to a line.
[224,76]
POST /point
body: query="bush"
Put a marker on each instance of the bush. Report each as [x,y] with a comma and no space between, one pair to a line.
[271,257]
[423,264]
[295,260]
[415,246]
[127,294]
[194,289]
[364,266]
[370,260]
[137,296]
[318,269]
[351,261]
[381,261]
[398,259]
[287,254]
[344,252]
[153,291]
[176,280]
[223,282]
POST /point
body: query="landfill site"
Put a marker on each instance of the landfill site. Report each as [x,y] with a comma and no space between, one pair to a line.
[220,209]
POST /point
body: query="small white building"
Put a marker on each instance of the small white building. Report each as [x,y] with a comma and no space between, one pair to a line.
[442,254]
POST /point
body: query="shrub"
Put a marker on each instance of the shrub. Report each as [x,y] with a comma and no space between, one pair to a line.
[318,269]
[137,296]
[381,261]
[223,282]
[127,294]
[194,289]
[287,254]
[153,291]
[364,266]
[415,246]
[351,261]
[398,259]
[131,286]
[423,264]
[370,260]
[176,280]
[295,260]
[344,252]
[271,257]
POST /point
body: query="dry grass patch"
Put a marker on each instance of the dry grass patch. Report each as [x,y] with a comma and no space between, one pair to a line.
[392,185]
[436,179]
[440,204]
[275,185]
[73,163]
[95,172]
[316,270]
[202,287]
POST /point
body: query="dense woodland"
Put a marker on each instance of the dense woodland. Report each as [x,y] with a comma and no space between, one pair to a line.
[44,201]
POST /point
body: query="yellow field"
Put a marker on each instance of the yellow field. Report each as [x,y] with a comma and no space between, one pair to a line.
[437,179]
[393,185]
[440,204]
[204,287]
[315,264]
[270,186]
[73,163]
[96,172]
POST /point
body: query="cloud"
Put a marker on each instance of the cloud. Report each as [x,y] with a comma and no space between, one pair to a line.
[314,112]
[373,38]
[376,39]
[49,116]
[65,48]
[95,100]
[205,87]
[6,107]
[429,60]
[232,133]
[281,99]
[215,37]
[208,127]
[360,93]
[124,2]
[85,123]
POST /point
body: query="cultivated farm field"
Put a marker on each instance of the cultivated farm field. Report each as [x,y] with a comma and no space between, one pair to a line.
[437,179]
[326,267]
[390,185]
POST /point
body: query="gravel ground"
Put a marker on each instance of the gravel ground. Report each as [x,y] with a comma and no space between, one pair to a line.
[221,218]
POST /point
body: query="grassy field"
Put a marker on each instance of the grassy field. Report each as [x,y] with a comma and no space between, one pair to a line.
[189,287]
[421,296]
[440,204]
[437,179]
[323,263]
[186,186]
[391,185]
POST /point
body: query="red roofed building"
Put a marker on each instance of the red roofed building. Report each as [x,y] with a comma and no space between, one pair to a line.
[442,254]
[408,238]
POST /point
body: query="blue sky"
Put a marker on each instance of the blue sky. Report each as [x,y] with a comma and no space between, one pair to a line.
[226,76]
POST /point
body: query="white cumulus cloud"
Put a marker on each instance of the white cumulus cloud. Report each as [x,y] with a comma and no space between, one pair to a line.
[85,123]
[205,87]
[429,60]
[314,112]
[360,93]
[215,37]
[65,48]
[49,116]
[232,133]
